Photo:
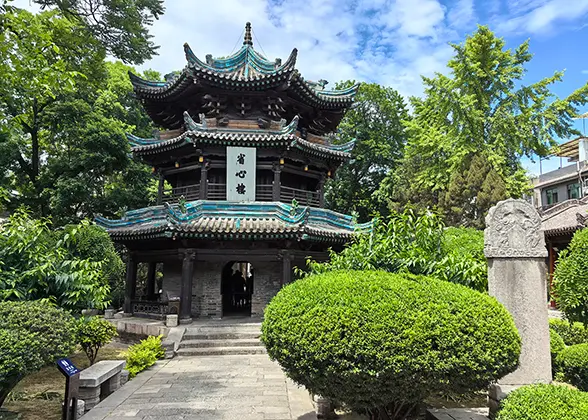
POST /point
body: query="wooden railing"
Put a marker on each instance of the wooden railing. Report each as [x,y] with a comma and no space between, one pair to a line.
[303,197]
[189,192]
[264,192]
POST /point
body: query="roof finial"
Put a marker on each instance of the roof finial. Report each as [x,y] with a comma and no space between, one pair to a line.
[248,40]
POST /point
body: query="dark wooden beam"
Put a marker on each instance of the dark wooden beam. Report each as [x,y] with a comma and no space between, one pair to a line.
[186,286]
[130,284]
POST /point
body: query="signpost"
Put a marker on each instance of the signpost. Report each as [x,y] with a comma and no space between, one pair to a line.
[72,385]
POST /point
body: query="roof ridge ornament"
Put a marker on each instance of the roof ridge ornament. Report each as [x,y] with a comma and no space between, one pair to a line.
[248,40]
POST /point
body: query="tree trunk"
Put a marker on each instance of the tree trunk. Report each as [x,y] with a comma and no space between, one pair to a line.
[8,385]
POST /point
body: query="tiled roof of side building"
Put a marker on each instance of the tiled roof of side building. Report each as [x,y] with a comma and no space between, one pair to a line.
[565,217]
[230,221]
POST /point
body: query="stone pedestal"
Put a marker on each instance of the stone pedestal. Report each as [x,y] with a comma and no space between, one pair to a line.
[124,377]
[515,248]
[108,313]
[91,396]
[171,321]
[324,408]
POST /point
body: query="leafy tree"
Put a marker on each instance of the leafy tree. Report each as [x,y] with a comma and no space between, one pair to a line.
[64,114]
[32,335]
[570,279]
[122,27]
[36,264]
[481,115]
[92,334]
[375,122]
[407,243]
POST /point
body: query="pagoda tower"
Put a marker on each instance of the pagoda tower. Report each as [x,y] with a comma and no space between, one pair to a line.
[242,158]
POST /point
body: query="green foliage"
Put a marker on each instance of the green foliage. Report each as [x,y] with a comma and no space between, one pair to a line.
[64,152]
[544,402]
[375,122]
[92,333]
[380,341]
[407,243]
[570,280]
[36,263]
[573,364]
[122,27]
[556,345]
[472,126]
[143,355]
[32,334]
[571,332]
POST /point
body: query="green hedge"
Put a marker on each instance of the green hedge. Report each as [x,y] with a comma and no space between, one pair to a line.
[544,402]
[571,332]
[556,345]
[143,355]
[376,340]
[32,334]
[573,364]
[92,333]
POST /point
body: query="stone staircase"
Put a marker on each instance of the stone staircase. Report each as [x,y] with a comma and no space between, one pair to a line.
[221,338]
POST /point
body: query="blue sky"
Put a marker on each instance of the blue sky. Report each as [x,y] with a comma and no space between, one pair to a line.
[391,42]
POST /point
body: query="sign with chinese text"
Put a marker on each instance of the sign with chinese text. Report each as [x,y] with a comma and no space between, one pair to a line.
[67,367]
[241,163]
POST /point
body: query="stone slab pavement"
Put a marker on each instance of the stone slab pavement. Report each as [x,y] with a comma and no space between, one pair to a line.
[244,387]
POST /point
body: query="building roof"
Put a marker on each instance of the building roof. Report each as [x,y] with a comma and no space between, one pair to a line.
[233,221]
[565,217]
[199,133]
[246,71]
[569,149]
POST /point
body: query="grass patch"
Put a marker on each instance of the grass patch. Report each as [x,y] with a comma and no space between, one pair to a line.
[39,395]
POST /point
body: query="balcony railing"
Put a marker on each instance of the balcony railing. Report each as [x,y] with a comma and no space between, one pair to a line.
[264,192]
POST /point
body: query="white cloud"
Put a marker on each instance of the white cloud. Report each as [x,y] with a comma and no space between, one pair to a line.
[585,71]
[540,16]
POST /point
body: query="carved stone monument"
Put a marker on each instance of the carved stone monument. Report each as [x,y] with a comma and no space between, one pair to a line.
[515,248]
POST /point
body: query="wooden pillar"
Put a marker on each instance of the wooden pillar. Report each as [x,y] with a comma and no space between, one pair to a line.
[286,268]
[130,284]
[186,288]
[204,181]
[321,191]
[277,183]
[160,188]
[151,281]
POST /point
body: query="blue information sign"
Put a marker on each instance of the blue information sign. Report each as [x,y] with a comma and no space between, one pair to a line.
[67,367]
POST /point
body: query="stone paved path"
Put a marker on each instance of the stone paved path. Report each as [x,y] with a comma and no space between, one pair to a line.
[208,388]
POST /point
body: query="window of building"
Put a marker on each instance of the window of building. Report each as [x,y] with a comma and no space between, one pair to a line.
[574,190]
[551,196]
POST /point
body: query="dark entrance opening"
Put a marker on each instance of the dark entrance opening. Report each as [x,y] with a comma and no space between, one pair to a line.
[237,288]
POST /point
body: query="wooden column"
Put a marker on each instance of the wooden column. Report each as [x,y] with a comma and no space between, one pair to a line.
[277,183]
[321,191]
[204,181]
[160,188]
[151,281]
[186,288]
[286,268]
[130,284]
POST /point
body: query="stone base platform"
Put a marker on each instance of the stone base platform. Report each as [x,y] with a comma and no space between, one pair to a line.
[457,414]
[140,327]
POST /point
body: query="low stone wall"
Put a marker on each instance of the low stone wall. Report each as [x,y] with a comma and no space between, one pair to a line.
[139,328]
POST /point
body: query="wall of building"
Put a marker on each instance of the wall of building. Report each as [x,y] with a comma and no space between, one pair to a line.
[206,285]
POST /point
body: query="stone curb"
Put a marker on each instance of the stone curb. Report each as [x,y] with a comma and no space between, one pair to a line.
[110,403]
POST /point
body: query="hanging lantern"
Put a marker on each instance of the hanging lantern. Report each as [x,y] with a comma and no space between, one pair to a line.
[201,159]
[281,161]
[153,170]
[329,174]
[177,165]
[306,167]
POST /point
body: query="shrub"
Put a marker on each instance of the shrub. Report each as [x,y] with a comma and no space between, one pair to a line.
[93,333]
[556,345]
[544,402]
[379,341]
[571,332]
[32,334]
[573,363]
[407,243]
[143,355]
[570,279]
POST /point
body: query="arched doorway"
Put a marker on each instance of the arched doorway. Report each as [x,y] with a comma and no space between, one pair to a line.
[237,288]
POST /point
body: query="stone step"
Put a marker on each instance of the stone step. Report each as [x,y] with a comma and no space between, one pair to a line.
[220,335]
[247,342]
[225,328]
[220,351]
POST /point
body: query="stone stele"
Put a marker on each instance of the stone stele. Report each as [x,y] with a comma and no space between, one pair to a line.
[515,248]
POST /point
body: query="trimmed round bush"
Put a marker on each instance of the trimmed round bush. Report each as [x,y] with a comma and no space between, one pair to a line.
[573,364]
[378,341]
[93,333]
[571,332]
[544,402]
[556,345]
[32,334]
